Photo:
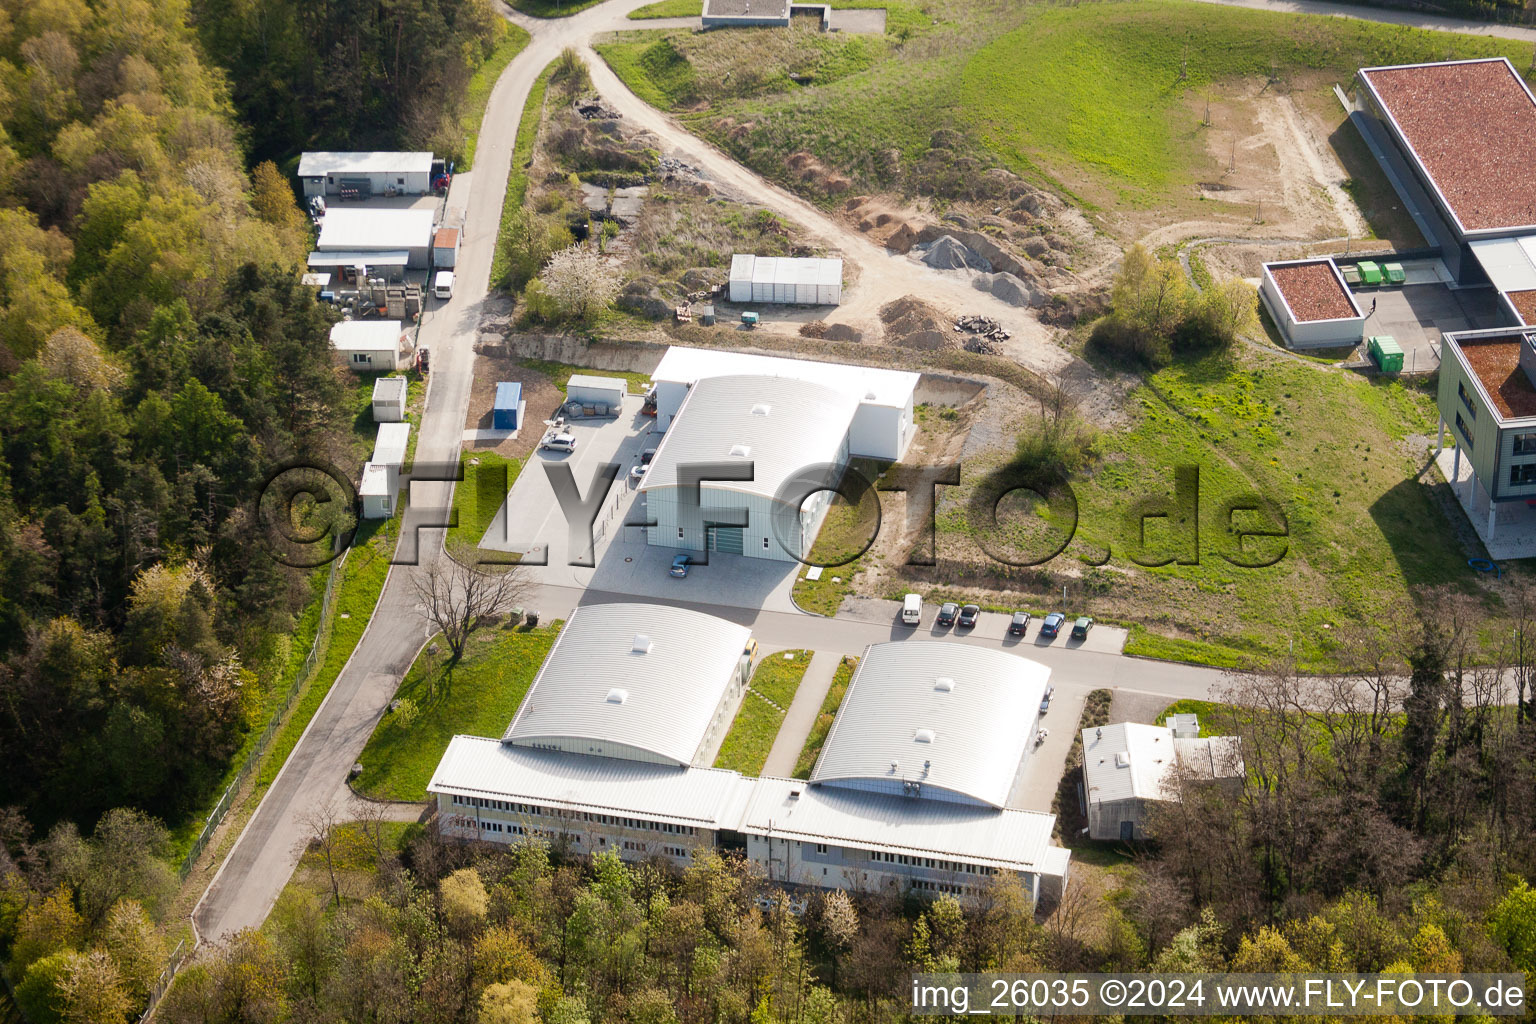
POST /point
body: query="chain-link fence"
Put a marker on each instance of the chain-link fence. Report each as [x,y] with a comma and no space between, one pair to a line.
[253,756]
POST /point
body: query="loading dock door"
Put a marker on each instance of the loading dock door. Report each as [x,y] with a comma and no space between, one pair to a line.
[727,540]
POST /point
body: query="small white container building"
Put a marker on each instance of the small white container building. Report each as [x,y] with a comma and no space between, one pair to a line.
[370,346]
[786,279]
[376,233]
[389,395]
[366,174]
[590,390]
[1311,304]
[445,248]
[390,445]
[376,491]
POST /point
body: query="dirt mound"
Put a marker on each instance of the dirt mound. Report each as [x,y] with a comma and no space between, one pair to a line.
[1011,289]
[912,323]
[902,239]
[814,329]
[948,253]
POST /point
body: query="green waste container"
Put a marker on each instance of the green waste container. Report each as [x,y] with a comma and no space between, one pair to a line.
[1387,353]
[1370,273]
[1394,272]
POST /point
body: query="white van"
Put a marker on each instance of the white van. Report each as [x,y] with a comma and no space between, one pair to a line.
[442,286]
[912,610]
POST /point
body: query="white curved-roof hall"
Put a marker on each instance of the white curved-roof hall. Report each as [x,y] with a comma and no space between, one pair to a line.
[934,719]
[630,680]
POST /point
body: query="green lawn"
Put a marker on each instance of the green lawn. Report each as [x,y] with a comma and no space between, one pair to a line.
[517,176]
[1103,99]
[476,697]
[559,373]
[834,699]
[669,9]
[844,535]
[1329,449]
[365,430]
[362,580]
[479,92]
[777,677]
[552,8]
[480,495]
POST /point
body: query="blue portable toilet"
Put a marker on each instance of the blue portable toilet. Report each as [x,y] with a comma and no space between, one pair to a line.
[509,398]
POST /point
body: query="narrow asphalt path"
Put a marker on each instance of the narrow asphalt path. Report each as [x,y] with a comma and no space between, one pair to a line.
[801,715]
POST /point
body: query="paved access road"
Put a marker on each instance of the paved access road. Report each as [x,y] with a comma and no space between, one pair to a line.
[267,851]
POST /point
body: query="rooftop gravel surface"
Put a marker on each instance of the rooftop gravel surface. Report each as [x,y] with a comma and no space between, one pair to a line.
[1313,291]
[1496,361]
[1473,126]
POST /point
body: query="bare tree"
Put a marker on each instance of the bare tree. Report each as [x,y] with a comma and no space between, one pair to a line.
[321,824]
[458,592]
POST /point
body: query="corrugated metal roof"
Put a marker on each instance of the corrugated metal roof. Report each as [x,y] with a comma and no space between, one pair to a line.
[1130,760]
[889,387]
[786,269]
[319,164]
[364,230]
[701,797]
[741,266]
[365,335]
[673,687]
[1017,840]
[390,444]
[390,389]
[980,706]
[587,380]
[786,425]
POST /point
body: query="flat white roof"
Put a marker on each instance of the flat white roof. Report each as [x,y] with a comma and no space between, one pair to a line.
[375,481]
[390,389]
[698,797]
[644,675]
[397,258]
[945,716]
[781,425]
[347,230]
[390,443]
[1130,760]
[319,164]
[1510,263]
[587,380]
[1008,839]
[869,384]
[366,335]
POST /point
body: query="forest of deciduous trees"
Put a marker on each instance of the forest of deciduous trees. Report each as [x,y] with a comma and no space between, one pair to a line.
[358,74]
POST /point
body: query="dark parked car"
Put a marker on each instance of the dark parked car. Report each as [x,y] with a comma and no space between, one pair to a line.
[646,456]
[968,616]
[1045,702]
[679,566]
[947,612]
[1018,624]
[1081,627]
[1052,624]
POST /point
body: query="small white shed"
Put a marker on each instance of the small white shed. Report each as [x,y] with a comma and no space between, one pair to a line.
[590,390]
[389,447]
[370,346]
[787,279]
[389,397]
[377,490]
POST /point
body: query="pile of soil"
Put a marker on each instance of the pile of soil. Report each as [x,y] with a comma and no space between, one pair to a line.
[912,323]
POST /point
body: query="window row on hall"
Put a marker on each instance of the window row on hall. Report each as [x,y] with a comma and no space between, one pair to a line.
[512,807]
[930,862]
[958,890]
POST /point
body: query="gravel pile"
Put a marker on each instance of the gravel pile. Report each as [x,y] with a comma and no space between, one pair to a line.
[948,253]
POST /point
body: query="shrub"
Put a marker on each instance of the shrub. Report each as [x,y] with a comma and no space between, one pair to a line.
[1156,315]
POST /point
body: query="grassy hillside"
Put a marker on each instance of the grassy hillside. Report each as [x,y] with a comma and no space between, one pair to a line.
[1102,99]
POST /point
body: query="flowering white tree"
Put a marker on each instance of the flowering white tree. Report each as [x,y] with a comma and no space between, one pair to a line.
[581,282]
